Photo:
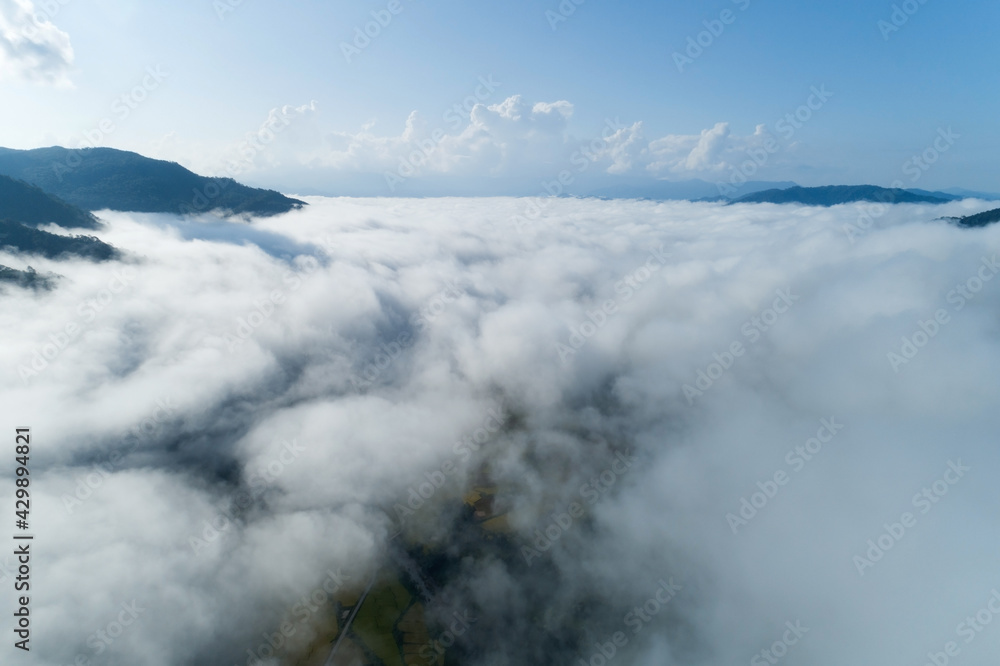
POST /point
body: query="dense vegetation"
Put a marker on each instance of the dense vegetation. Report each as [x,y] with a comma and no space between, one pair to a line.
[833,195]
[29,279]
[23,202]
[980,219]
[104,178]
[22,238]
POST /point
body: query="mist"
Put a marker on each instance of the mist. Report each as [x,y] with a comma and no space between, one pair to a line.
[706,426]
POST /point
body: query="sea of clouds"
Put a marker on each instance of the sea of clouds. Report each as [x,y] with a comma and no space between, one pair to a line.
[742,403]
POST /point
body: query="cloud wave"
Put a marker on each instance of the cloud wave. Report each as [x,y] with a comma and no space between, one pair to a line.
[227,429]
[31,47]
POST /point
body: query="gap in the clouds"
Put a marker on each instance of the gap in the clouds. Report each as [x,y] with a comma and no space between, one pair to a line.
[135,346]
[536,526]
[223,230]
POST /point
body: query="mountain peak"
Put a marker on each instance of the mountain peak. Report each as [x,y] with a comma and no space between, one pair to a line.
[832,195]
[107,178]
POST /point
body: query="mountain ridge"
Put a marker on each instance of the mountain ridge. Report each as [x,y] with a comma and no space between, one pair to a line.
[111,179]
[832,195]
[29,204]
[27,279]
[23,238]
[978,220]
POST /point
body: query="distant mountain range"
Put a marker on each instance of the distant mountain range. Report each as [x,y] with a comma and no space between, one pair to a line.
[978,220]
[690,190]
[961,193]
[105,178]
[833,195]
[60,186]
[947,196]
[23,207]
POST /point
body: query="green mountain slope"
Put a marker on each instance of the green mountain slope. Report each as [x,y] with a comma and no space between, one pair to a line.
[29,279]
[23,202]
[833,195]
[980,219]
[105,178]
[22,238]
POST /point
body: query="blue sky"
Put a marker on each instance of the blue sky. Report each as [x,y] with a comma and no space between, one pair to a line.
[229,67]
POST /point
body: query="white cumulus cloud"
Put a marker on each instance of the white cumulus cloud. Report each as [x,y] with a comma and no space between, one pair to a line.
[31,46]
[514,138]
